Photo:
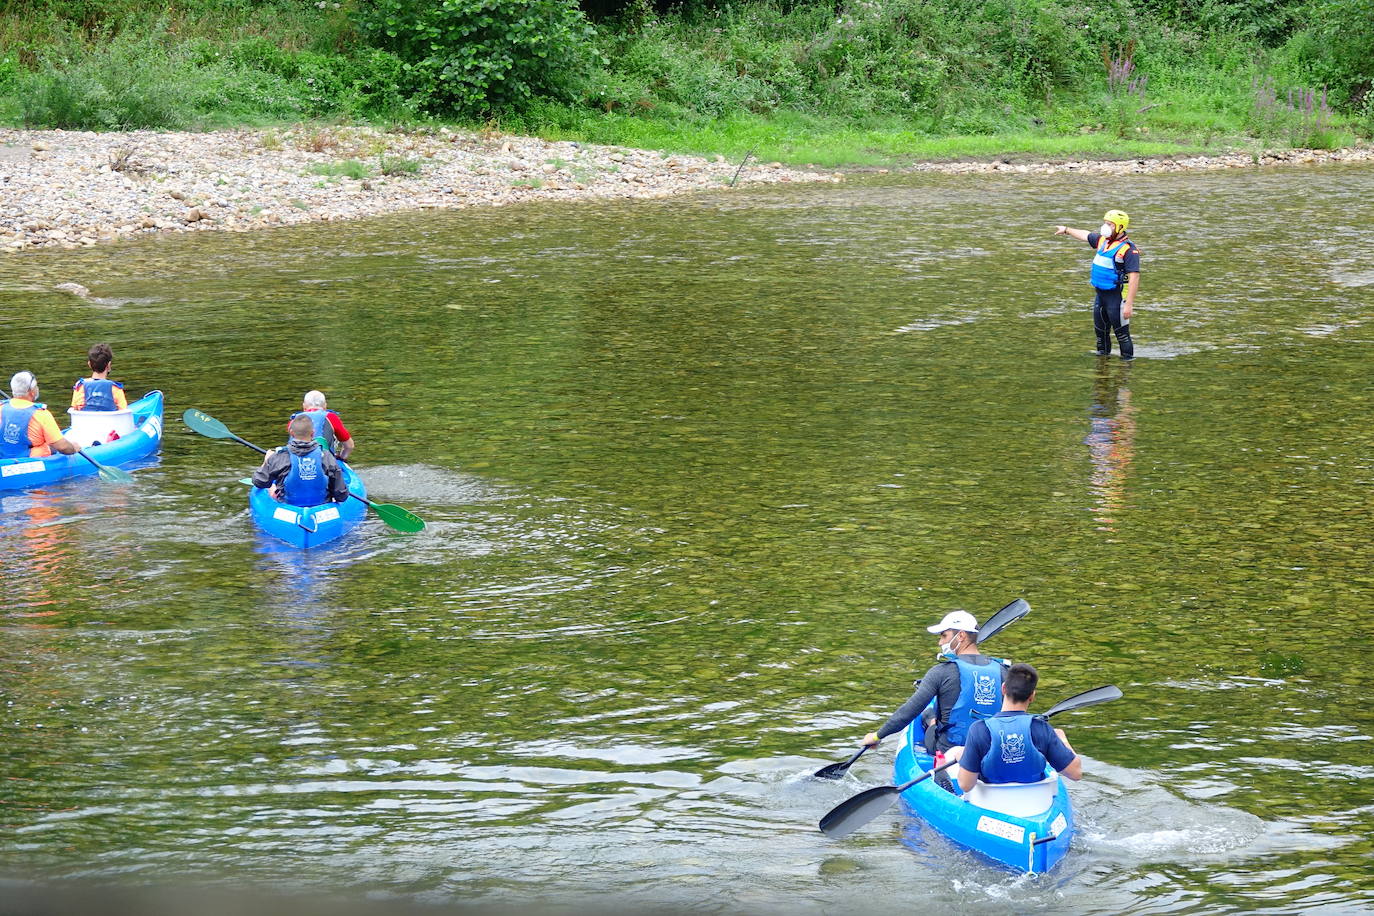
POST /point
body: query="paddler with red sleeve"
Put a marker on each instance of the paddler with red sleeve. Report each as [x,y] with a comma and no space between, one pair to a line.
[327,424]
[27,428]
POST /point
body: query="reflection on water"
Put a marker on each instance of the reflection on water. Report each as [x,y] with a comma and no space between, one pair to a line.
[1111,441]
[689,501]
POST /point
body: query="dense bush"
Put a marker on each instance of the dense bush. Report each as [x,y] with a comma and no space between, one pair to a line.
[1336,50]
[477,56]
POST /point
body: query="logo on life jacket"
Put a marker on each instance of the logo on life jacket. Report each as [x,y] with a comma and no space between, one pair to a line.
[309,468]
[1013,747]
[11,432]
[984,689]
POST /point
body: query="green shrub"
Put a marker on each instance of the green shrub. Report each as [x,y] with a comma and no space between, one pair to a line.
[1336,50]
[348,168]
[397,165]
[129,83]
[478,56]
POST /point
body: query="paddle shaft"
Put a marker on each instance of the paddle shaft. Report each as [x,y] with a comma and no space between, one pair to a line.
[926,775]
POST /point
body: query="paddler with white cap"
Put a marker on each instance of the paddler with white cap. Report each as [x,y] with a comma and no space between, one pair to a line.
[964,684]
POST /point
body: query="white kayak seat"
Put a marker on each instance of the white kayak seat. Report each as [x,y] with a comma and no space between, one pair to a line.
[93,427]
[1019,799]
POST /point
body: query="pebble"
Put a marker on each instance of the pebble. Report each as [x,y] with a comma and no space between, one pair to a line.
[252,178]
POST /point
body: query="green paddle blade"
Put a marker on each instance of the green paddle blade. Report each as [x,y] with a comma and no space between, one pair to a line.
[247,480]
[115,475]
[398,518]
[201,422]
[107,473]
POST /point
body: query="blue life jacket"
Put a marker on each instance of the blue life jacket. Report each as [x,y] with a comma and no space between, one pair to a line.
[14,429]
[306,484]
[1012,757]
[1106,272]
[99,393]
[323,428]
[980,696]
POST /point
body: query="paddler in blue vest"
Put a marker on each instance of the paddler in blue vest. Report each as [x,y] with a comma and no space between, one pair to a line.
[1014,746]
[99,392]
[964,684]
[302,473]
[1115,278]
[27,427]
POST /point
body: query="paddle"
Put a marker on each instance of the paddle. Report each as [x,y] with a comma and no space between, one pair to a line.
[852,813]
[397,517]
[1012,612]
[107,473]
[111,474]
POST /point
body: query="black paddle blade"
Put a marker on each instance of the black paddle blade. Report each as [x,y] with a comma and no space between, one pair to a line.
[206,425]
[1086,698]
[852,813]
[836,770]
[1009,614]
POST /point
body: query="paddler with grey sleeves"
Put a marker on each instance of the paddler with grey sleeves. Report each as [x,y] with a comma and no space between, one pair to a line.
[1115,278]
[964,685]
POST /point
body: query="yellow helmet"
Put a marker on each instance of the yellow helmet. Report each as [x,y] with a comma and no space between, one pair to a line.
[1118,218]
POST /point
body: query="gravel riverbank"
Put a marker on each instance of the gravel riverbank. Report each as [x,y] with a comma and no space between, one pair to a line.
[73,189]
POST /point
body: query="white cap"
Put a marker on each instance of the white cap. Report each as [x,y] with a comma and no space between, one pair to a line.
[956,620]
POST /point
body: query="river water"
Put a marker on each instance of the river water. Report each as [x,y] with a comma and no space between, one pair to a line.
[698,472]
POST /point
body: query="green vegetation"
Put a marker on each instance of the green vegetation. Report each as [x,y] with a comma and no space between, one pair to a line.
[349,168]
[864,82]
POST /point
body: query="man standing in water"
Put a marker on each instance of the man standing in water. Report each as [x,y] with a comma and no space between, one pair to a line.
[1116,268]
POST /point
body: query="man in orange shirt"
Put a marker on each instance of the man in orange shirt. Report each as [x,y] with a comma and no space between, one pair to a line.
[27,428]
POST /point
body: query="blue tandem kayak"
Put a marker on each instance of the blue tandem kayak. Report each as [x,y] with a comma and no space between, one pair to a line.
[310,526]
[20,473]
[1025,827]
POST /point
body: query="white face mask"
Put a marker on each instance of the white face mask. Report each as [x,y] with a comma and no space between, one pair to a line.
[1107,230]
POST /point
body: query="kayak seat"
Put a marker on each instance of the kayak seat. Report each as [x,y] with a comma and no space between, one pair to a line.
[1019,799]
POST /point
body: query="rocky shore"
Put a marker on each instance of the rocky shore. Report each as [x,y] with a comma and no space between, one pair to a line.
[73,189]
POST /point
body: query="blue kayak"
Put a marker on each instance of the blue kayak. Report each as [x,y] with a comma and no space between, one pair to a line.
[144,440]
[309,526]
[1025,827]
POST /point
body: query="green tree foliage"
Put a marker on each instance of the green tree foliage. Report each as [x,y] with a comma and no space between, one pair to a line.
[477,56]
[1336,49]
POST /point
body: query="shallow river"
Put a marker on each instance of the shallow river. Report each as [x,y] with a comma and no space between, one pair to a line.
[697,474]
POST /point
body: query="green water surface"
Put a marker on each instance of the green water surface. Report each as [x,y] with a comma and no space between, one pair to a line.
[698,472]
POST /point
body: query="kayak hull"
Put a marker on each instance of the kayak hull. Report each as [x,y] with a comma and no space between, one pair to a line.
[1016,842]
[309,526]
[144,441]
